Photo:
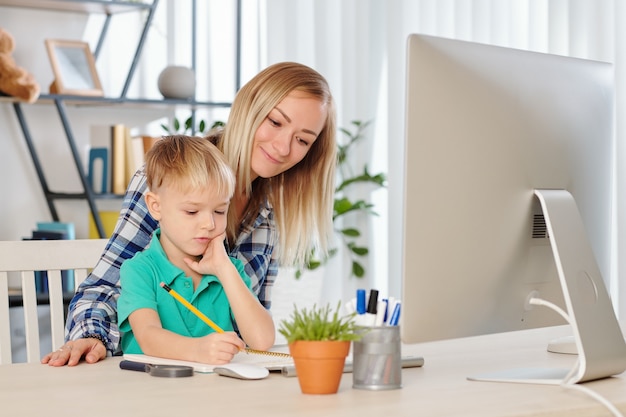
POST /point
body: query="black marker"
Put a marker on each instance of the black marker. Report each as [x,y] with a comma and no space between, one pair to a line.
[372,308]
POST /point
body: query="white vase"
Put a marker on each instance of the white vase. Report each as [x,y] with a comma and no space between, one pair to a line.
[177,82]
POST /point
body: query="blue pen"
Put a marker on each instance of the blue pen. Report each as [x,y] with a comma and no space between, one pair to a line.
[391,304]
[395,316]
[360,301]
[386,313]
[360,307]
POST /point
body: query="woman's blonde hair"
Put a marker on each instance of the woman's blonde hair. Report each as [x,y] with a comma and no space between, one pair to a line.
[302,197]
[188,163]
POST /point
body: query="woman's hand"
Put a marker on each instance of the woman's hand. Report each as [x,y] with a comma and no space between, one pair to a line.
[72,352]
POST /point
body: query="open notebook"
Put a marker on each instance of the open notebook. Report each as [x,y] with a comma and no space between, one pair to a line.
[281,364]
[265,359]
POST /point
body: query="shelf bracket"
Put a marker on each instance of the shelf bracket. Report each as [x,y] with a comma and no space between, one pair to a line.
[79,167]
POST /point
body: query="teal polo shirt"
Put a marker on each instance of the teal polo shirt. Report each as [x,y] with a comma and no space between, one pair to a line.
[140,279]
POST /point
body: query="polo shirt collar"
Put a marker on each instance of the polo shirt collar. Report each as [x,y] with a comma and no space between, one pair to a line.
[169,271]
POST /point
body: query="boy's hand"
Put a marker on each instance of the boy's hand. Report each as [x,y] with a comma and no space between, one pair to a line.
[213,258]
[218,348]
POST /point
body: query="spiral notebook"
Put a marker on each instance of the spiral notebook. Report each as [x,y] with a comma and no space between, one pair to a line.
[274,360]
[268,359]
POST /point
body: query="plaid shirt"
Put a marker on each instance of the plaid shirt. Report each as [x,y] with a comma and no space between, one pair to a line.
[93,310]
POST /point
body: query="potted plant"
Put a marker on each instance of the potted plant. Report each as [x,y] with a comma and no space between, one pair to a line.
[319,342]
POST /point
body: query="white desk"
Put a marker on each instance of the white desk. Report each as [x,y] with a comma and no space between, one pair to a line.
[439,388]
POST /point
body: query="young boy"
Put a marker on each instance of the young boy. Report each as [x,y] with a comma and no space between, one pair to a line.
[191,186]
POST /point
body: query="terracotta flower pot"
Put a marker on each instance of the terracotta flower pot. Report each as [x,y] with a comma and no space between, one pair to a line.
[319,364]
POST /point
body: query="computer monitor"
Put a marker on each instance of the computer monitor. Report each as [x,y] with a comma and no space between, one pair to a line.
[509,158]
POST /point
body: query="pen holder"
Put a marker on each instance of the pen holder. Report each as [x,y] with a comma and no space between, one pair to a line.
[377,359]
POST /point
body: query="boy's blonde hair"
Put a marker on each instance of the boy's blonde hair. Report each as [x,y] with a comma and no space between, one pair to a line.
[303,196]
[188,163]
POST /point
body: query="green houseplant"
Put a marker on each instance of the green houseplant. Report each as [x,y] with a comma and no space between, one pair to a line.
[319,342]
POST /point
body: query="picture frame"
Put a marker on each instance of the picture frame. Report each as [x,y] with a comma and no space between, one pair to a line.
[74,68]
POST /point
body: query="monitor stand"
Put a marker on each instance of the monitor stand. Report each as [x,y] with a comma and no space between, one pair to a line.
[565,345]
[601,349]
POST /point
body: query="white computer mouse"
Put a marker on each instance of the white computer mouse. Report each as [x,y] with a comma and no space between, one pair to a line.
[242,371]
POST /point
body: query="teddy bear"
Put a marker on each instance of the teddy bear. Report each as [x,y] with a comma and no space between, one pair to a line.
[15,81]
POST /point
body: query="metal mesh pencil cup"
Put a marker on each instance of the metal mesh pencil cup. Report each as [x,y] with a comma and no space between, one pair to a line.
[377,359]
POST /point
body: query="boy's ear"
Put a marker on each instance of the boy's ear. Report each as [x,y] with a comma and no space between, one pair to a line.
[154,205]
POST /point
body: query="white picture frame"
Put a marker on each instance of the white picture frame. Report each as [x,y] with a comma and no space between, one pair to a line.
[74,68]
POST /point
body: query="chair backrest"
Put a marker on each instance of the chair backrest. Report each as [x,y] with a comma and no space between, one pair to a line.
[52,256]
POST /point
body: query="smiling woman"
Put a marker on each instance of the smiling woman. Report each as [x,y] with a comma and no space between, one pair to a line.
[287,134]
[299,204]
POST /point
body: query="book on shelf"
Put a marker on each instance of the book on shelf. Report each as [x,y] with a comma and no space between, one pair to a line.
[53,231]
[108,219]
[67,228]
[100,169]
[114,157]
[134,155]
[148,142]
[119,132]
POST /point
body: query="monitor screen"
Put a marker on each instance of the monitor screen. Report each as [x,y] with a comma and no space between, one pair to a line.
[486,126]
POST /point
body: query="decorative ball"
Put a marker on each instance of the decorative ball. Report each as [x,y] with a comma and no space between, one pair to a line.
[177,82]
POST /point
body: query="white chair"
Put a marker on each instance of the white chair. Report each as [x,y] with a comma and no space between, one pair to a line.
[52,256]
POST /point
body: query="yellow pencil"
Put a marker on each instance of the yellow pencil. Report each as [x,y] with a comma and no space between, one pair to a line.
[211,323]
[194,310]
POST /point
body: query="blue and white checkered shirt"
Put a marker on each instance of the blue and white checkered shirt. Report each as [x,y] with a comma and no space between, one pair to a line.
[93,310]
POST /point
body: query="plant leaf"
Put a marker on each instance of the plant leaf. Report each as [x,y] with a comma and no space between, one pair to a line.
[360,251]
[319,323]
[350,232]
[357,269]
[188,123]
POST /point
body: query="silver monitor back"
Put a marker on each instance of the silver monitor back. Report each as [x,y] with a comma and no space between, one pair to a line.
[508,200]
[485,126]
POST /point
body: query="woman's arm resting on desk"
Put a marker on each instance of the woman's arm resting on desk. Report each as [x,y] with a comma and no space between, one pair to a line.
[91,348]
[91,325]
